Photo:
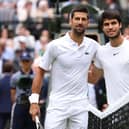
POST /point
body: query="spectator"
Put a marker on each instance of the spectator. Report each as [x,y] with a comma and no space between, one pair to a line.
[20,90]
[5,97]
[43,10]
[25,10]
[23,46]
[66,8]
[6,53]
[112,5]
[40,46]
[7,34]
[8,11]
[23,31]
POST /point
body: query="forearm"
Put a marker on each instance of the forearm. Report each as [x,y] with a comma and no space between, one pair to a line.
[34,98]
[93,78]
[94,74]
[36,86]
[37,82]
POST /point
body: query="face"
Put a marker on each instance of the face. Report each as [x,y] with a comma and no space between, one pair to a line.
[111,28]
[79,22]
[26,64]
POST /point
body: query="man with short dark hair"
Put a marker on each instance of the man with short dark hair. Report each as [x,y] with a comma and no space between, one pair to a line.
[112,59]
[69,58]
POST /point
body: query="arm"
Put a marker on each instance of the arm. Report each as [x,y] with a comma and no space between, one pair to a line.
[13,95]
[94,74]
[36,87]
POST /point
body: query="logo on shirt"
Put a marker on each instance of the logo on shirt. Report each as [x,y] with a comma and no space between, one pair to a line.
[114,54]
[86,53]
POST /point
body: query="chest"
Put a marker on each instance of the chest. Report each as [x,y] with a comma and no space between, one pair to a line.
[74,57]
[24,82]
[115,59]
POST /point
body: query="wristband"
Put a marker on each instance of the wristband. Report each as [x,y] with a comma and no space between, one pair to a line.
[34,98]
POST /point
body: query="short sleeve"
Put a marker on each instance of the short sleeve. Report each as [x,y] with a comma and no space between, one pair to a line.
[48,57]
[97,61]
[13,81]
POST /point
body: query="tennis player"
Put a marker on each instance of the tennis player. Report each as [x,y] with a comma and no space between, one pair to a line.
[112,59]
[69,57]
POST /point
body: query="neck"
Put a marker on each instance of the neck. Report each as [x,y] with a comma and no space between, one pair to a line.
[77,38]
[116,41]
[26,71]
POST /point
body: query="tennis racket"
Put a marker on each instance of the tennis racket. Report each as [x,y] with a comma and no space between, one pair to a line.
[38,123]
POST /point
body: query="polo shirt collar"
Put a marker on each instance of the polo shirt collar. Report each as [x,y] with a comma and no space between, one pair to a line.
[73,42]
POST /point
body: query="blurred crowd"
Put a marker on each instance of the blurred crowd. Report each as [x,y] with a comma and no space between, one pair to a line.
[24,27]
[49,14]
[21,10]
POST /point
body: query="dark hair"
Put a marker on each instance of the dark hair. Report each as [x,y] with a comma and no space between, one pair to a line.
[78,8]
[110,14]
[7,67]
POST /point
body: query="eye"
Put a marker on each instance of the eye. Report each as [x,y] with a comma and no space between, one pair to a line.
[114,23]
[77,18]
[84,19]
[106,24]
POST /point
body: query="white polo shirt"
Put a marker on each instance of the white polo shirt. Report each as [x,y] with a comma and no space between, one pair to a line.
[69,68]
[115,63]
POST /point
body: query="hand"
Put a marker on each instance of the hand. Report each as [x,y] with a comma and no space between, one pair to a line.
[104,107]
[34,110]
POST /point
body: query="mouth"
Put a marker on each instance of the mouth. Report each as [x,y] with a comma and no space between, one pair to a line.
[111,32]
[80,27]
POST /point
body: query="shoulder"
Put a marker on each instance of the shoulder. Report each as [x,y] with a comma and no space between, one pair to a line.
[126,42]
[103,49]
[92,44]
[16,75]
[57,43]
[91,41]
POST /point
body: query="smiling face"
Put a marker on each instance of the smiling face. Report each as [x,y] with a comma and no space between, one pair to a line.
[111,28]
[79,22]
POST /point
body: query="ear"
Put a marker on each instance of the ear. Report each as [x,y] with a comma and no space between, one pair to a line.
[70,21]
[120,25]
[88,21]
[101,28]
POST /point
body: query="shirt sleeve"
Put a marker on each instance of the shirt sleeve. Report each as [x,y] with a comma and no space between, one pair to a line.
[97,60]
[48,57]
[13,81]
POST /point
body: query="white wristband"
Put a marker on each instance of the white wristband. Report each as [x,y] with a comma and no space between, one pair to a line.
[34,98]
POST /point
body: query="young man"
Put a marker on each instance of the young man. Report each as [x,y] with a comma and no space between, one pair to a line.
[113,58]
[69,57]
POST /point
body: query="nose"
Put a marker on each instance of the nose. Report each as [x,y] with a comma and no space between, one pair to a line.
[80,21]
[110,25]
